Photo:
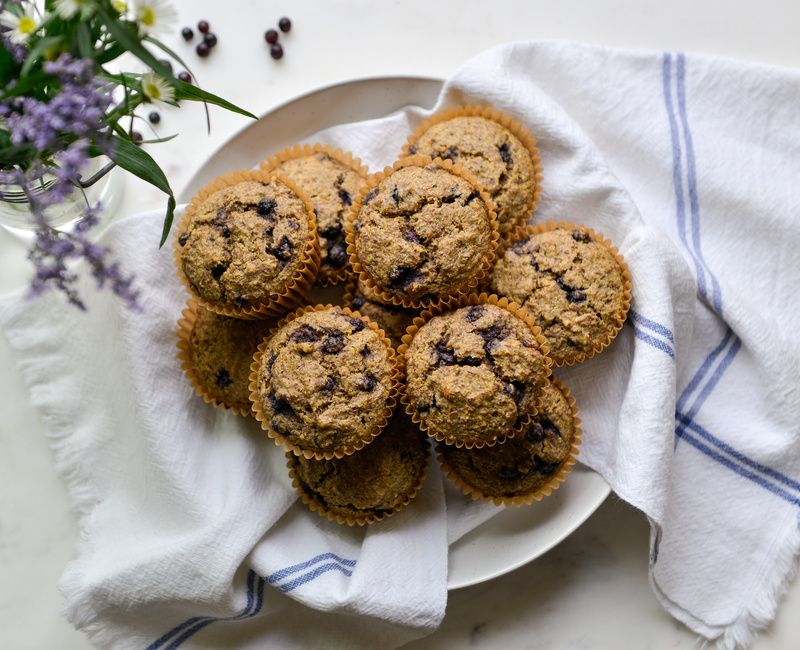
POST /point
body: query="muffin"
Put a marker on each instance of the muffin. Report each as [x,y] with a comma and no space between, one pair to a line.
[422,230]
[216,352]
[572,283]
[247,245]
[474,375]
[331,180]
[499,152]
[393,320]
[324,384]
[369,485]
[528,466]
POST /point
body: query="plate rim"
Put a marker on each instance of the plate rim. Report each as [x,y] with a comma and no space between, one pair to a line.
[600,496]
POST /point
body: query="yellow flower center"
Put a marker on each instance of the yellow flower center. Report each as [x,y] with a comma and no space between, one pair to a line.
[152,91]
[147,16]
[27,25]
[119,5]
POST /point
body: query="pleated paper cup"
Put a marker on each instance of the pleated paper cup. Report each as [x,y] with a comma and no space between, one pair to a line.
[298,285]
[506,121]
[393,298]
[184,344]
[600,344]
[369,436]
[327,276]
[444,308]
[348,519]
[545,489]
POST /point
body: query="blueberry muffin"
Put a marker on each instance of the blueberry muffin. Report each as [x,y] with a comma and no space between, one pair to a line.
[486,144]
[370,484]
[246,242]
[571,283]
[324,384]
[216,352]
[527,463]
[331,180]
[422,231]
[392,319]
[474,375]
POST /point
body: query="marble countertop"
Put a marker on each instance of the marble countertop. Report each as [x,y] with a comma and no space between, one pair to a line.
[579,594]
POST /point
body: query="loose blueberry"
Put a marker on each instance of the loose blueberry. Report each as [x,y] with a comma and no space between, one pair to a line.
[271,36]
[136,137]
[187,33]
[154,117]
[185,77]
[285,24]
[167,64]
[203,27]
[210,39]
[202,49]
[276,51]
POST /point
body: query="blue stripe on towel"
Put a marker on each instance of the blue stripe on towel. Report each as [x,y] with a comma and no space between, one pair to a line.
[255,602]
[652,325]
[652,342]
[682,433]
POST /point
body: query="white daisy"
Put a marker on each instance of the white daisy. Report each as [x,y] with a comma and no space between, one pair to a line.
[155,16]
[68,8]
[22,27]
[156,89]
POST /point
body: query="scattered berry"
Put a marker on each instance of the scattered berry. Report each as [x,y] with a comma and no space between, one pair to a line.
[154,117]
[185,77]
[187,33]
[167,64]
[202,49]
[276,51]
[136,137]
[271,36]
[210,39]
[285,24]
[203,27]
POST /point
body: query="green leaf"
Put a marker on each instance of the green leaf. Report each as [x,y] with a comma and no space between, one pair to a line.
[139,163]
[85,41]
[17,154]
[37,52]
[192,93]
[130,41]
[110,53]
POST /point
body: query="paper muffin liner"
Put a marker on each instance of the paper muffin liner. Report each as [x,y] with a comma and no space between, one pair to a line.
[373,181]
[451,305]
[389,406]
[184,334]
[354,520]
[301,281]
[544,490]
[529,230]
[347,159]
[506,121]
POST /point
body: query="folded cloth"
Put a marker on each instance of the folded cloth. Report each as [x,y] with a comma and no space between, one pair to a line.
[192,535]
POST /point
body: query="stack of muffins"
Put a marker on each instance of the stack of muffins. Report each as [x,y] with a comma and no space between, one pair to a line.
[453,304]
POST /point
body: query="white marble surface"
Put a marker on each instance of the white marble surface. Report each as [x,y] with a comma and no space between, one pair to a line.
[589,592]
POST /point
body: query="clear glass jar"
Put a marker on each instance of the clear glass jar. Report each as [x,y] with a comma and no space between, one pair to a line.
[15,213]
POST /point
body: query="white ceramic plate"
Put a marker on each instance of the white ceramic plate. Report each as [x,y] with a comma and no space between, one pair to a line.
[517,535]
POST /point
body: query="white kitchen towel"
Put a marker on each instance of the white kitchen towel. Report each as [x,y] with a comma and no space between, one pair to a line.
[191,535]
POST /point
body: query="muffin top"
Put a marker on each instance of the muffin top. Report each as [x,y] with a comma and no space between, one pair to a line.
[324,382]
[244,243]
[331,187]
[474,373]
[220,352]
[423,232]
[494,155]
[372,482]
[527,461]
[392,319]
[571,285]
